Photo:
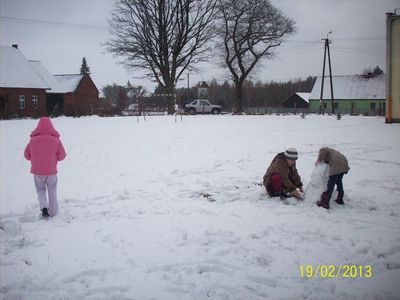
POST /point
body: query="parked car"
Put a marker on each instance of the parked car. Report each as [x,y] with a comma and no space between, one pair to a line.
[202,106]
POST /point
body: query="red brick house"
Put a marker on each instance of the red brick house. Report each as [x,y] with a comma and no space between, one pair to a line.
[84,100]
[70,94]
[22,89]
[28,90]
[73,95]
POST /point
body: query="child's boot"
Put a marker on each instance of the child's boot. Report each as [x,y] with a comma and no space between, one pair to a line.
[324,202]
[339,199]
[45,213]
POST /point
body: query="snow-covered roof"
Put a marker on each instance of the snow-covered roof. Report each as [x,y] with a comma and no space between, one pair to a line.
[304,96]
[58,83]
[68,82]
[351,87]
[17,72]
[50,80]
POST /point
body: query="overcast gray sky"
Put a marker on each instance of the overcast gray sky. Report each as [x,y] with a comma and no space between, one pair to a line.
[60,33]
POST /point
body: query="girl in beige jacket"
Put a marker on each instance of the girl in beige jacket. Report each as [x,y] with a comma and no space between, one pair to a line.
[339,166]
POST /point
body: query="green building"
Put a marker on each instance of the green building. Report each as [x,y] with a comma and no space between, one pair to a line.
[352,94]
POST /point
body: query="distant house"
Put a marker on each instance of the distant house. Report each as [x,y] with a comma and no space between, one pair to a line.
[80,95]
[202,90]
[28,90]
[70,94]
[353,94]
[298,102]
[22,89]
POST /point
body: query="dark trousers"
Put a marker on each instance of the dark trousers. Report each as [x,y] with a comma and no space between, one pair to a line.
[335,180]
[275,188]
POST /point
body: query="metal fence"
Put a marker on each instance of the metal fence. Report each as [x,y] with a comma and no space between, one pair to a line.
[266,110]
[263,110]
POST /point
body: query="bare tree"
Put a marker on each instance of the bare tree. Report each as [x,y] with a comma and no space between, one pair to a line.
[163,37]
[250,31]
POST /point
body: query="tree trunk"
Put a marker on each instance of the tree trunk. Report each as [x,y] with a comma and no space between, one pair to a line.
[171,99]
[238,109]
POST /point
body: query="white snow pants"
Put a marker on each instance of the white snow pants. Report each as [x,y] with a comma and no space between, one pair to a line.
[49,182]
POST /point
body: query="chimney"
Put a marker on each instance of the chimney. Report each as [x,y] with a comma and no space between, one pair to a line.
[15,46]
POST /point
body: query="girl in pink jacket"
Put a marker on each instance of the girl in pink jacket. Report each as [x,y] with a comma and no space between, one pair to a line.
[44,150]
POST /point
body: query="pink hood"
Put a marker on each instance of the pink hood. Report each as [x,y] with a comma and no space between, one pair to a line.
[44,149]
[45,127]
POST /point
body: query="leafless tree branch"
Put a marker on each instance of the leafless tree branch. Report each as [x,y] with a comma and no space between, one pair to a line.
[163,37]
[250,31]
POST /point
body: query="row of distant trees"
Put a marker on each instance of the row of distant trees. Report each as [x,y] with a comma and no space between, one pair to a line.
[255,94]
[374,71]
[258,94]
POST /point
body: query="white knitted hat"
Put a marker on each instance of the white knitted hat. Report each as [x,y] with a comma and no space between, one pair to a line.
[291,153]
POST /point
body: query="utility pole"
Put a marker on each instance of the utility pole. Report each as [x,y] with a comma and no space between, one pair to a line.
[188,89]
[326,50]
[120,100]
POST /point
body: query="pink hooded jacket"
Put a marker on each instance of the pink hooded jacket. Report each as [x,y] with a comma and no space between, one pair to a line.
[44,149]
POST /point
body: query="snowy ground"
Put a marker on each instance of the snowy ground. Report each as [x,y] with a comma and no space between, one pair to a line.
[159,209]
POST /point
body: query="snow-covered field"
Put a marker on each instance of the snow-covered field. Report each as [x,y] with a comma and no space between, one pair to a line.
[159,209]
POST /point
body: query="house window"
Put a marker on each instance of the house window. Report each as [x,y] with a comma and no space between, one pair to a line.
[2,104]
[335,105]
[21,102]
[372,105]
[35,101]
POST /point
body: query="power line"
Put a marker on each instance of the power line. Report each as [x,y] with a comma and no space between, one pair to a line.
[357,51]
[360,39]
[47,23]
[103,27]
[303,41]
[348,39]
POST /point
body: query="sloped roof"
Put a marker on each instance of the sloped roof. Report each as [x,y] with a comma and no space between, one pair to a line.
[58,83]
[17,72]
[38,66]
[203,84]
[304,96]
[68,83]
[351,87]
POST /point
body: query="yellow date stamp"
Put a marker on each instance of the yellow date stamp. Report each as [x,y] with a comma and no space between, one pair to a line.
[335,271]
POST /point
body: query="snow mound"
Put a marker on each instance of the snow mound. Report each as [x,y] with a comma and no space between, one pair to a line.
[318,183]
